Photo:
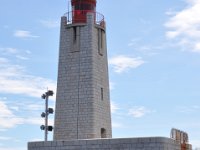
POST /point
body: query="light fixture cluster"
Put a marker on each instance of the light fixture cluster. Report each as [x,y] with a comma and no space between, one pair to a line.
[45,114]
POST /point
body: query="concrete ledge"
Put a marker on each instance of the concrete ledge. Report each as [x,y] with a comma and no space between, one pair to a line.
[146,143]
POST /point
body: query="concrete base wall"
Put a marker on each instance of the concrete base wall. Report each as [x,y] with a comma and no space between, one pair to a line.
[151,143]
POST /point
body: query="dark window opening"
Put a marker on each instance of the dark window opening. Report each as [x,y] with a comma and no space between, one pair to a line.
[101,38]
[101,93]
[103,133]
[74,34]
[100,41]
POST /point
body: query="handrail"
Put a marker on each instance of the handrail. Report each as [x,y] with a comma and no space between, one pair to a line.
[80,16]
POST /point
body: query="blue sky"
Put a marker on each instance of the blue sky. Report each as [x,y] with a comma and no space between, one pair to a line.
[154,66]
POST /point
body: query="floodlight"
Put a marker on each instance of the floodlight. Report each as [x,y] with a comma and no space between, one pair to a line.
[43,96]
[50,128]
[50,111]
[43,115]
[42,127]
[49,93]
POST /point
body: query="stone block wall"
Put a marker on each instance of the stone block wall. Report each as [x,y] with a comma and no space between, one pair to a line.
[147,143]
[83,100]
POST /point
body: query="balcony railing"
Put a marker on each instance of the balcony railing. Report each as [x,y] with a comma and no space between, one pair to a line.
[80,16]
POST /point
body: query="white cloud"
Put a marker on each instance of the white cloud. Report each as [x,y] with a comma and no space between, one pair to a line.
[5,138]
[195,144]
[4,111]
[15,108]
[34,121]
[14,80]
[112,85]
[139,111]
[170,12]
[24,34]
[19,54]
[7,118]
[50,23]
[123,63]
[3,60]
[22,57]
[8,50]
[116,125]
[34,107]
[114,107]
[183,26]
[28,106]
[10,122]
[37,121]
[36,139]
[28,52]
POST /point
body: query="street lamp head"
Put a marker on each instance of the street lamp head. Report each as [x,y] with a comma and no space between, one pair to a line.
[42,127]
[49,93]
[43,115]
[50,110]
[50,128]
[43,96]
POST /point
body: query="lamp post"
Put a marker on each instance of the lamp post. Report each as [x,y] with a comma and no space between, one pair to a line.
[45,114]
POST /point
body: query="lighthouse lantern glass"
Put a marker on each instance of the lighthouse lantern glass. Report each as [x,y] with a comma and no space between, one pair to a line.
[80,9]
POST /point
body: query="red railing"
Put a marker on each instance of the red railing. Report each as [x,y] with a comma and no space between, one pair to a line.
[80,16]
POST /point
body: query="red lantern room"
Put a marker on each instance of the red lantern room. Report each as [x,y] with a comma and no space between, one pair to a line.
[80,8]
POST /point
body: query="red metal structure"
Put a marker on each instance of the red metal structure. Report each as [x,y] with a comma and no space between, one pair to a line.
[80,8]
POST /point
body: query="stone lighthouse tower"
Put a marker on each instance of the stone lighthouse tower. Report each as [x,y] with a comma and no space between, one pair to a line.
[82,102]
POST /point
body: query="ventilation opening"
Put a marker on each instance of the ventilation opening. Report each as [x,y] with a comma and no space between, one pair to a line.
[103,133]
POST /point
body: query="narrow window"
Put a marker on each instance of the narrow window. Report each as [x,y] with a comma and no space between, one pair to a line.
[100,41]
[74,34]
[103,133]
[102,94]
[75,40]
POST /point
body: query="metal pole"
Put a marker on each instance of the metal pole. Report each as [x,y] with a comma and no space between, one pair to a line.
[46,117]
[45,114]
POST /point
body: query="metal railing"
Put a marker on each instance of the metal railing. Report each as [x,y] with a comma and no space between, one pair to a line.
[80,16]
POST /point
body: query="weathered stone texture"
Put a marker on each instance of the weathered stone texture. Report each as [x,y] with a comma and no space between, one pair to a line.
[153,143]
[83,101]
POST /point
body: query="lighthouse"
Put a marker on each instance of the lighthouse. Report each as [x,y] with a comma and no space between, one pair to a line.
[83,100]
[82,114]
